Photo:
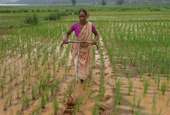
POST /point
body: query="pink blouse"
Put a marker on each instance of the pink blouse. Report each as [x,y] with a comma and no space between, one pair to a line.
[75,28]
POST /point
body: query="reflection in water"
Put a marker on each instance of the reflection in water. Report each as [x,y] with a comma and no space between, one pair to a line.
[14,4]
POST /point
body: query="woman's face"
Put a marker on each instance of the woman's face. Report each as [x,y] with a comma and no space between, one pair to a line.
[82,17]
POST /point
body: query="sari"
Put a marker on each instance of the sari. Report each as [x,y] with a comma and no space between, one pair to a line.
[85,51]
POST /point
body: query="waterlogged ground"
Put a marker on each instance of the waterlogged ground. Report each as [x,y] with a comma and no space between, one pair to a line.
[153,102]
[31,86]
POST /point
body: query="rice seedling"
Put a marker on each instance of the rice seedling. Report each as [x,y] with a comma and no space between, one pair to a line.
[43,101]
[137,112]
[54,70]
[154,103]
[6,103]
[47,95]
[168,101]
[16,81]
[42,85]
[9,87]
[4,72]
[90,93]
[49,64]
[130,87]
[79,102]
[163,87]
[134,102]
[146,85]
[45,57]
[138,101]
[39,74]
[10,99]
[160,111]
[2,88]
[95,109]
[158,81]
[55,106]
[18,93]
[25,102]
[48,77]
[35,110]
[35,63]
[11,77]
[70,89]
[52,88]
[18,112]
[74,110]
[23,88]
[118,95]
[33,92]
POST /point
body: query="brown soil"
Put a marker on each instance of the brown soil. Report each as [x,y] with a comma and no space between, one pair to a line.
[89,91]
[4,31]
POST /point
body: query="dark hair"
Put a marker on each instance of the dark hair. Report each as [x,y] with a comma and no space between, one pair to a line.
[83,10]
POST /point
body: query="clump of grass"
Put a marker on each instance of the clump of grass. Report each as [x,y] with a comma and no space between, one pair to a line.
[53,16]
[32,19]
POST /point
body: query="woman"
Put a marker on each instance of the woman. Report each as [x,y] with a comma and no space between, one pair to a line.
[83,31]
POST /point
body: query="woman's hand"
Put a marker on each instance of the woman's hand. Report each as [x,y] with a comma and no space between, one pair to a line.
[94,42]
[65,41]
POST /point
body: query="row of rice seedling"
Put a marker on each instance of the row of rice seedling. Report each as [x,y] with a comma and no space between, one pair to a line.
[34,67]
[143,45]
[152,57]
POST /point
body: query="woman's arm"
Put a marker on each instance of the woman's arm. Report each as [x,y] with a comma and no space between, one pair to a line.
[65,40]
[96,36]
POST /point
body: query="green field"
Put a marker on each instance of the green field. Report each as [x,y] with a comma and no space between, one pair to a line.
[130,71]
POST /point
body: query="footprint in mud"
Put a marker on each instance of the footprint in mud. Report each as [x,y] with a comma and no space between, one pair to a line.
[70,106]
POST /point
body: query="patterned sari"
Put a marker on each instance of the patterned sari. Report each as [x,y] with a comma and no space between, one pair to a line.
[85,51]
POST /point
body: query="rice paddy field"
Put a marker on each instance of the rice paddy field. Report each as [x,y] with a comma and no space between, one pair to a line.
[130,72]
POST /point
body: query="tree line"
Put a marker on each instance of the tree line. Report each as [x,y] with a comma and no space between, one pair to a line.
[74,2]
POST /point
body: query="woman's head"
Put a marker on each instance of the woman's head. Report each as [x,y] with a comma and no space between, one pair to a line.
[83,15]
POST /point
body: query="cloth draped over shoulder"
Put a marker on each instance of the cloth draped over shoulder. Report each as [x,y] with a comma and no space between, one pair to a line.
[85,51]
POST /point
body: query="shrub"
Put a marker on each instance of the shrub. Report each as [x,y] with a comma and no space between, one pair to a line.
[53,16]
[32,19]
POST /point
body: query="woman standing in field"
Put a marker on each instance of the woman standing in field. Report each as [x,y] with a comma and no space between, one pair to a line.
[83,31]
